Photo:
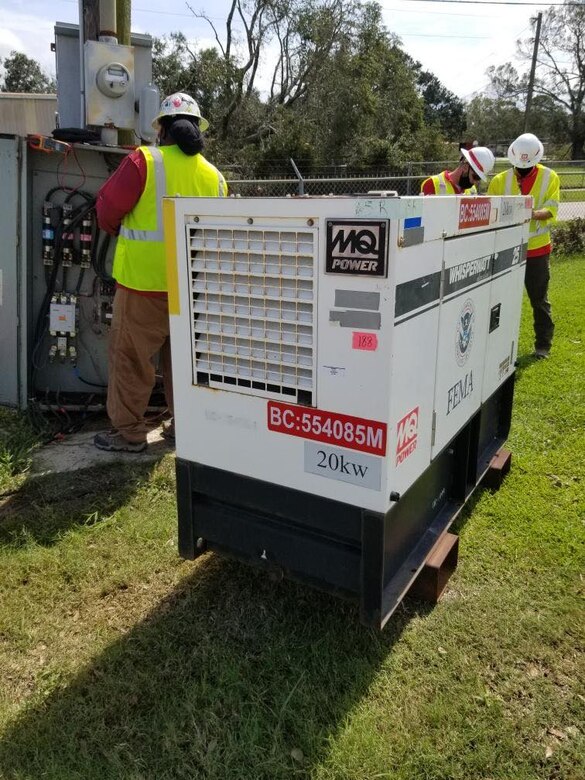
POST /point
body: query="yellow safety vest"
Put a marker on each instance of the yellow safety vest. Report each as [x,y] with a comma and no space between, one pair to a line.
[443,186]
[139,260]
[545,193]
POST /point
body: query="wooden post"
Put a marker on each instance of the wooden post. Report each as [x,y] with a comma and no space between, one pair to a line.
[123,22]
[532,70]
[91,20]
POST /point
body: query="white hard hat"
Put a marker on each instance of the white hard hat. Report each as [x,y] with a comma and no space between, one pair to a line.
[481,160]
[180,104]
[526,151]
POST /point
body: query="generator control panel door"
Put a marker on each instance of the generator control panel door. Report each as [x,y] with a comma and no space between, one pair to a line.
[505,308]
[463,330]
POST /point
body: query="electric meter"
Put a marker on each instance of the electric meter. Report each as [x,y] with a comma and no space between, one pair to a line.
[109,85]
[113,80]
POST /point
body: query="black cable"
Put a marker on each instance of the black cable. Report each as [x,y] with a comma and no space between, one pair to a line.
[79,281]
[89,384]
[88,196]
[98,258]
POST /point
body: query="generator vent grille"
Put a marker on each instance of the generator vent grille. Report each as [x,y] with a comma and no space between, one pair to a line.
[253,310]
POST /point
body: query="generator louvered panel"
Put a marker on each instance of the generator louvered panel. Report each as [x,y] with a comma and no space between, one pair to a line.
[253,310]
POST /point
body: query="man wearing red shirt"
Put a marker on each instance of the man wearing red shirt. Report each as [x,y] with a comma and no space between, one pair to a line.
[129,206]
[474,166]
[529,177]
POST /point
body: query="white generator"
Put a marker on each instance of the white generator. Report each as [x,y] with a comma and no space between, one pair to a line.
[343,374]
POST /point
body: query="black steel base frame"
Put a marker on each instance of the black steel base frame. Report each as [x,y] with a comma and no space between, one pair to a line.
[366,556]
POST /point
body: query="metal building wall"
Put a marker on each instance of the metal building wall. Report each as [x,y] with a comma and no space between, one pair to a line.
[9,270]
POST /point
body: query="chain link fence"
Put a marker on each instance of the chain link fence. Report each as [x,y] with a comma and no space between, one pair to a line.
[403,181]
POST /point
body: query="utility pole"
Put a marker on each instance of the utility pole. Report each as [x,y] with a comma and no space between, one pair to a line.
[532,70]
[89,30]
[123,27]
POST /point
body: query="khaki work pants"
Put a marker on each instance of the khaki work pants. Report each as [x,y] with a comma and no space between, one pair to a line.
[140,329]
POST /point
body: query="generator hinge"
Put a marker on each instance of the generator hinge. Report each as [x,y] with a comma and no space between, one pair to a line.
[433,429]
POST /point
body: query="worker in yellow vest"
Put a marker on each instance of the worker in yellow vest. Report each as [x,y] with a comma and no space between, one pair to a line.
[129,205]
[528,177]
[474,166]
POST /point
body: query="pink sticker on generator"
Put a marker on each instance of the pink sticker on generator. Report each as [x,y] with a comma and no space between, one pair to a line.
[365,341]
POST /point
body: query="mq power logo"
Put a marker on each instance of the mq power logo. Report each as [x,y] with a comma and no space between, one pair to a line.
[406,436]
[356,247]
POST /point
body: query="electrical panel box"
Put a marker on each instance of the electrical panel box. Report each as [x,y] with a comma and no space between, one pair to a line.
[71,81]
[109,85]
[348,357]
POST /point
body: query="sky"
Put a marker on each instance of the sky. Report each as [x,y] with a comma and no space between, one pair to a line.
[457,41]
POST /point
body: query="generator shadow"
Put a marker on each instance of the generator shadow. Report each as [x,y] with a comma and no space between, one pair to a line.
[46,506]
[231,677]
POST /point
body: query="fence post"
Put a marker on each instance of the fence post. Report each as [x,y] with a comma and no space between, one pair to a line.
[299,177]
[408,180]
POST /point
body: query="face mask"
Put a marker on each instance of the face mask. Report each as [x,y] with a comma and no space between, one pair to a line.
[465,182]
[522,172]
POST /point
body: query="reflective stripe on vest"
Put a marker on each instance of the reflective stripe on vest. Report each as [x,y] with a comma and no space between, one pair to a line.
[444,187]
[139,259]
[540,229]
[160,188]
[509,180]
[538,204]
[160,185]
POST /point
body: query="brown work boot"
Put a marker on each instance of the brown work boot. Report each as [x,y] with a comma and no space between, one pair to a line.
[168,430]
[113,441]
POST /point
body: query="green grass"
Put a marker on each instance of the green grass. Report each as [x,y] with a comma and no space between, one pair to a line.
[119,661]
[572,196]
[18,439]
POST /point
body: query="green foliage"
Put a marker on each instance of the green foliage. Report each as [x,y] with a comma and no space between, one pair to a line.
[494,119]
[23,74]
[441,107]
[557,112]
[343,92]
[569,237]
[17,441]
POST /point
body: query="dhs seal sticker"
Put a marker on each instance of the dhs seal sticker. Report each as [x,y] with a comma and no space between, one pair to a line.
[464,332]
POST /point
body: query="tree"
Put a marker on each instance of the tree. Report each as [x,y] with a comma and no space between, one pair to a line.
[23,74]
[303,32]
[322,81]
[560,73]
[442,108]
[365,103]
[494,121]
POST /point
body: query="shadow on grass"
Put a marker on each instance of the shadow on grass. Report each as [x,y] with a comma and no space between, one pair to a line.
[45,507]
[524,362]
[231,677]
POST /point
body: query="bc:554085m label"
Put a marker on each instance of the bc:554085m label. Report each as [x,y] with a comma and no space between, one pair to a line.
[355,433]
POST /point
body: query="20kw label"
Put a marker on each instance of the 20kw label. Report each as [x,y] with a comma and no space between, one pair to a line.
[333,463]
[356,433]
